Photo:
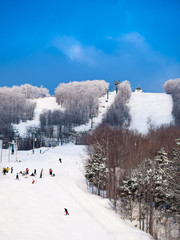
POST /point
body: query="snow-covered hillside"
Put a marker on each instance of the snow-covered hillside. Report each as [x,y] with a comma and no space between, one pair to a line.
[145,108]
[150,108]
[48,103]
[36,211]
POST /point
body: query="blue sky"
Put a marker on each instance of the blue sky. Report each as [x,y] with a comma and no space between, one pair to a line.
[49,42]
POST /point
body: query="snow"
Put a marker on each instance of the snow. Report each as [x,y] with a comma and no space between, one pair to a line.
[155,108]
[36,211]
[47,103]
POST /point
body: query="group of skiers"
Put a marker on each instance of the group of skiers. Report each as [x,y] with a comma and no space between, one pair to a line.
[26,172]
[33,174]
[6,170]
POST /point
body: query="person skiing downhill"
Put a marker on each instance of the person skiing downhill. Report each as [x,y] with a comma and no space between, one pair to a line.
[66,211]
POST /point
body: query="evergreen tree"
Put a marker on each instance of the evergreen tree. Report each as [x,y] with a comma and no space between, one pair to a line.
[96,172]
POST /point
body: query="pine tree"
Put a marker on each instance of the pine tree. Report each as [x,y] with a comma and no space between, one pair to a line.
[96,172]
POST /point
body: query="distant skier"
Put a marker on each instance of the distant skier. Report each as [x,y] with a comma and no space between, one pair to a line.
[33,181]
[17,176]
[66,211]
[50,171]
[60,160]
[27,170]
[41,174]
[34,171]
[11,169]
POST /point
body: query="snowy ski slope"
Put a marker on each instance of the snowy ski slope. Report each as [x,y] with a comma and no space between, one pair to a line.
[36,211]
[155,108]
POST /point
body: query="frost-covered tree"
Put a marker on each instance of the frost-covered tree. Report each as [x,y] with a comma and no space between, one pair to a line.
[32,92]
[118,114]
[14,106]
[80,100]
[172,87]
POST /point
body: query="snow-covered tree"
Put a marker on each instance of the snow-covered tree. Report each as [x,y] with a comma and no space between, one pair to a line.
[96,172]
[118,114]
[172,87]
[151,185]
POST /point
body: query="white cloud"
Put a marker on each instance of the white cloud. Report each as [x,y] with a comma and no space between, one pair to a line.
[76,51]
[133,37]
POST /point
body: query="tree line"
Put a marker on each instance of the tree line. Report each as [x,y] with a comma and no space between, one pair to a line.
[79,101]
[139,174]
[16,105]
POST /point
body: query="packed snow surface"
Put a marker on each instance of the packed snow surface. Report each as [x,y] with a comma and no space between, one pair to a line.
[36,211]
[150,108]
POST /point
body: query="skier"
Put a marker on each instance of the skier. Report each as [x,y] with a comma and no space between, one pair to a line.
[33,181]
[4,171]
[50,171]
[66,211]
[40,174]
[17,176]
[60,160]
[11,169]
[34,171]
[27,170]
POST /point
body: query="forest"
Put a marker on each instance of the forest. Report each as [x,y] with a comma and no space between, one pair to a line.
[139,174]
[16,105]
[79,102]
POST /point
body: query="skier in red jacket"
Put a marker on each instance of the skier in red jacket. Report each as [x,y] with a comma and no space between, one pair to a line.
[50,171]
[66,211]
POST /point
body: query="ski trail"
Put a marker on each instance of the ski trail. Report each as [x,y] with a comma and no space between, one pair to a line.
[150,108]
[77,190]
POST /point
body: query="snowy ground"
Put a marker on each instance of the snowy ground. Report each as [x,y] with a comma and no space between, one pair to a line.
[36,211]
[154,108]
